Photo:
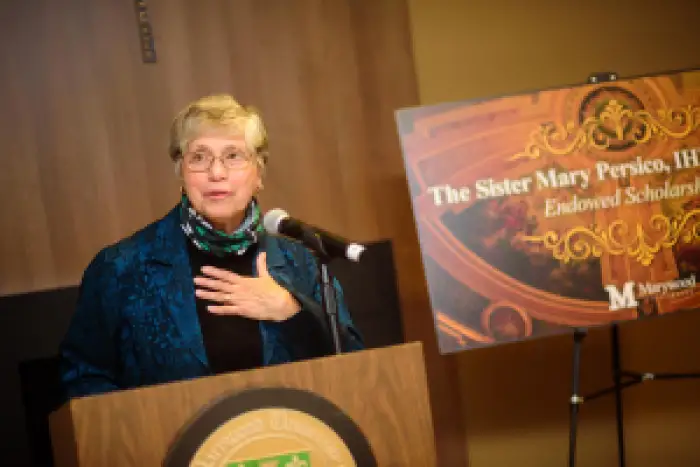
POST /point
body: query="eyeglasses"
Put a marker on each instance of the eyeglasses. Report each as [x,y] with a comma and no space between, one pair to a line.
[201,161]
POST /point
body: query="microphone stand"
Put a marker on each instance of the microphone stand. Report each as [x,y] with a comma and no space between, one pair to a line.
[328,297]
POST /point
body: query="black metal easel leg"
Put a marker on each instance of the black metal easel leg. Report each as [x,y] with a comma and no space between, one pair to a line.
[617,379]
[621,380]
[576,400]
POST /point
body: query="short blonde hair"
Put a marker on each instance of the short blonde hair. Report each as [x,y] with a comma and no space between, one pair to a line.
[219,111]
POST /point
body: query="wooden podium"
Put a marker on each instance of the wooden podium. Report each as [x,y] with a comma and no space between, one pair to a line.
[383,391]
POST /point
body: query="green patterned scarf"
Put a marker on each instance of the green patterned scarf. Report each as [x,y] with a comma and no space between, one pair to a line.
[206,238]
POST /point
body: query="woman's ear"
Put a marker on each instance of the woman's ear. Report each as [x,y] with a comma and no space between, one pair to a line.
[178,170]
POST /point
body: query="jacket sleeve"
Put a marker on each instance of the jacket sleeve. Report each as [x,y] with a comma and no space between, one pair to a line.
[307,334]
[88,354]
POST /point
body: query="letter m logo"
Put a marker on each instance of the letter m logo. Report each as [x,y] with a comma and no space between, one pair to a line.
[624,299]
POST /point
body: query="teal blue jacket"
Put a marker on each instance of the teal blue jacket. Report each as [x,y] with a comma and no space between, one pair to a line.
[136,323]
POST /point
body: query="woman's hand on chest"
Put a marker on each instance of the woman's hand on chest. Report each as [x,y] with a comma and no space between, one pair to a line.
[260,298]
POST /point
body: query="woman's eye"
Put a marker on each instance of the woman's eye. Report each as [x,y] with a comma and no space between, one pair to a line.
[198,157]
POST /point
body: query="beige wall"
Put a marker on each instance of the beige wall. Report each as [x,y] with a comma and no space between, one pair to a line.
[515,397]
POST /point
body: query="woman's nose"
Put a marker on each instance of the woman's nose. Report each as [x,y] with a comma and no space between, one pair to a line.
[217,170]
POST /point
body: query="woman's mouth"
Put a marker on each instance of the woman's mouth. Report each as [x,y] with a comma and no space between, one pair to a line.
[217,194]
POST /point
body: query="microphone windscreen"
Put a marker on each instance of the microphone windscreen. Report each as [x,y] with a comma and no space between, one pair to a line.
[272,220]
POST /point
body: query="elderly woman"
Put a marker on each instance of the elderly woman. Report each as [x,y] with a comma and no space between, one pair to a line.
[203,290]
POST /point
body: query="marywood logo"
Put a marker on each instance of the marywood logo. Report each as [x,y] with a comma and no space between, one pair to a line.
[631,292]
[298,459]
[273,437]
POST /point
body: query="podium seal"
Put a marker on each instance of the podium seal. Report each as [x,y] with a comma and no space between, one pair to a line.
[271,427]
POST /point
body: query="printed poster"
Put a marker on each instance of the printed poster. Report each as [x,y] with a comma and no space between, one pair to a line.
[562,208]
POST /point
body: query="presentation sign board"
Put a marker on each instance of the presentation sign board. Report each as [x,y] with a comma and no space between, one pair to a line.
[561,208]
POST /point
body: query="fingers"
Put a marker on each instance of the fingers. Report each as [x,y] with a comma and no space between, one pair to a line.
[214,284]
[221,297]
[215,290]
[224,309]
[232,310]
[221,274]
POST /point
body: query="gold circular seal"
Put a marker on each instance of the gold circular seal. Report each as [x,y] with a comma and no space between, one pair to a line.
[270,427]
[273,437]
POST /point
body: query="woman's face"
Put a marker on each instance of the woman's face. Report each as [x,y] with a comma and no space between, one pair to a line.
[221,190]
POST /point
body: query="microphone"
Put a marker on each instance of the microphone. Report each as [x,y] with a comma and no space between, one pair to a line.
[278,221]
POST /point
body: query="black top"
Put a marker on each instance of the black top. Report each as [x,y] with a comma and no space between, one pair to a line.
[232,342]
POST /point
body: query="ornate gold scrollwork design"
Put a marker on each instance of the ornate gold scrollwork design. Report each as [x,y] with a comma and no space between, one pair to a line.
[581,243]
[562,140]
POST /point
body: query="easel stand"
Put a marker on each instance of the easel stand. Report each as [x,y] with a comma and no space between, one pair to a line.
[621,380]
